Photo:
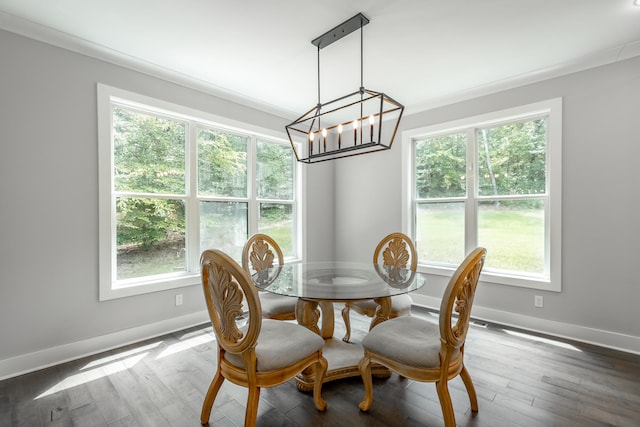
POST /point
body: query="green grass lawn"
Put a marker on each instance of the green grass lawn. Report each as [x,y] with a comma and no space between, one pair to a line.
[281,232]
[514,237]
[168,258]
[160,259]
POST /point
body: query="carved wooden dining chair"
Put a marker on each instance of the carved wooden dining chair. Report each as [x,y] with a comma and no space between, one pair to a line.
[260,352]
[258,255]
[424,351]
[396,250]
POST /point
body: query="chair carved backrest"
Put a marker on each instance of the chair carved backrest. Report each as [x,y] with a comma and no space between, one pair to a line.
[258,256]
[458,298]
[397,250]
[226,285]
[258,253]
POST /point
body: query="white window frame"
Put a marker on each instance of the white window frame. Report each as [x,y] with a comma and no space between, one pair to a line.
[551,281]
[107,97]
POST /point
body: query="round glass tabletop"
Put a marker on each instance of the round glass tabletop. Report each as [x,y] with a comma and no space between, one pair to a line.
[338,281]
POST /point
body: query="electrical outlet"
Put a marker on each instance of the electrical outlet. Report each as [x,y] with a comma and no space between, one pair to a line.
[538,301]
[179,299]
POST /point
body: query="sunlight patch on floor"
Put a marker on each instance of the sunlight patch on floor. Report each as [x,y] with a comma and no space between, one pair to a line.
[186,344]
[85,376]
[543,340]
[121,355]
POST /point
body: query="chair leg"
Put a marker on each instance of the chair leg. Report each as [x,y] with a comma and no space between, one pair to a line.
[365,372]
[251,413]
[347,323]
[383,311]
[442,387]
[471,390]
[321,369]
[210,397]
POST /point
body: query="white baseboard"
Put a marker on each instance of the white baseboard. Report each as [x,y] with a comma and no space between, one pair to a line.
[608,339]
[63,353]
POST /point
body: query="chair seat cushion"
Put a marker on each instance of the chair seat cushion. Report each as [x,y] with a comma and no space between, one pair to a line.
[274,304]
[399,304]
[408,340]
[280,344]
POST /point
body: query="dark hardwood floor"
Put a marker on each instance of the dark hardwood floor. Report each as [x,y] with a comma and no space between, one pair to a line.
[522,379]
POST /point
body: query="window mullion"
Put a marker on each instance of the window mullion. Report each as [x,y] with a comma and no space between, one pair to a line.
[298,178]
[471,205]
[254,206]
[413,196]
[192,201]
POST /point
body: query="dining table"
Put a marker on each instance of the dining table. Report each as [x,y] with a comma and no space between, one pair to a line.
[318,285]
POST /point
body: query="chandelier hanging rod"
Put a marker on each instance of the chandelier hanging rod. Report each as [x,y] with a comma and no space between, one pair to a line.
[335,34]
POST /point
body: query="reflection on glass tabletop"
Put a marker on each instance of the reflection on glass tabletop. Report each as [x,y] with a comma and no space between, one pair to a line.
[340,281]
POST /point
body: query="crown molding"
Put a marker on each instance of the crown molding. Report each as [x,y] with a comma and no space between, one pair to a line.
[605,57]
[78,45]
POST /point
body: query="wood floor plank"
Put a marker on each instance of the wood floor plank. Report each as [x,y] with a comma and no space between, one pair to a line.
[169,404]
[5,410]
[128,421]
[134,396]
[88,415]
[170,371]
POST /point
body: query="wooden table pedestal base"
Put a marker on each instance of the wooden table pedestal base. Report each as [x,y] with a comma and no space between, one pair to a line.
[343,358]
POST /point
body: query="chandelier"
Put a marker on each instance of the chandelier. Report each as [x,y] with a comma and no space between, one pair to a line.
[349,125]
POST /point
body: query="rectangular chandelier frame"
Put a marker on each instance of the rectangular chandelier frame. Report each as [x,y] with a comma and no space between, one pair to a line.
[334,133]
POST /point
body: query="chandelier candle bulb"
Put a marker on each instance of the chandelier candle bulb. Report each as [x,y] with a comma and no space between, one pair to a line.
[324,139]
[310,143]
[371,121]
[339,136]
[355,132]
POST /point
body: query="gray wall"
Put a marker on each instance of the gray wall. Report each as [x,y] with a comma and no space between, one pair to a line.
[319,220]
[49,219]
[600,227]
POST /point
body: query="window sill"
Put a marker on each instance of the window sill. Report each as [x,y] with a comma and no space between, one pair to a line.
[139,287]
[530,282]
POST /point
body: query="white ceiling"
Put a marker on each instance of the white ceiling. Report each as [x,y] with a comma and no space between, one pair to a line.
[423,53]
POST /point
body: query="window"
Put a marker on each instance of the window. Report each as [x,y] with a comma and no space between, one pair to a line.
[492,181]
[174,182]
